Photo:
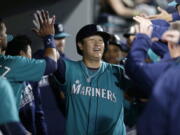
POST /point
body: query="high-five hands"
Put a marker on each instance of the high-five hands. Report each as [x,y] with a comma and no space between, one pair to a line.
[144,27]
[43,24]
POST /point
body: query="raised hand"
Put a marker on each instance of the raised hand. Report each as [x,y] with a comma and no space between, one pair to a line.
[164,15]
[144,27]
[43,24]
[171,36]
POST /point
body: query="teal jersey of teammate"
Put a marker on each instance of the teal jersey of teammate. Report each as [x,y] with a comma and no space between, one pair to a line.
[94,100]
[8,110]
[18,69]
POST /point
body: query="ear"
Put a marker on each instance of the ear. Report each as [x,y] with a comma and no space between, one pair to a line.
[80,46]
[22,53]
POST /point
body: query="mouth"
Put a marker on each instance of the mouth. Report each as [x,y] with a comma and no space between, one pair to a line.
[97,49]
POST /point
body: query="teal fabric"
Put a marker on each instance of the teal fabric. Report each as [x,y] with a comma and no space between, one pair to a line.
[173,3]
[18,69]
[94,107]
[8,110]
[154,57]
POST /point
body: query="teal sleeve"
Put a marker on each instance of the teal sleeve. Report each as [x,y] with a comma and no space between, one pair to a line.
[23,69]
[8,110]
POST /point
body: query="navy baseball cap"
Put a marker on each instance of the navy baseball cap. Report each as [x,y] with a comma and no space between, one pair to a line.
[115,40]
[59,32]
[90,30]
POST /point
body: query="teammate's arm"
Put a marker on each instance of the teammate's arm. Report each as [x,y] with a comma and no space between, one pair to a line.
[45,29]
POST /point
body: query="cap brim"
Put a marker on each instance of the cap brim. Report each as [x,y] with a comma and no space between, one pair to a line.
[105,35]
[61,35]
[9,37]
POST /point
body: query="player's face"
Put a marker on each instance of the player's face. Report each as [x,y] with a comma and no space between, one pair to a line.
[3,36]
[60,44]
[93,47]
[28,53]
[113,54]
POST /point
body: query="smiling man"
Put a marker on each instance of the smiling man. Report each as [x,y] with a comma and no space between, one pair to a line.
[94,96]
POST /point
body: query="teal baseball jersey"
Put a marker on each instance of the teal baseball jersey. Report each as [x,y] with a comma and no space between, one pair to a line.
[18,69]
[8,110]
[94,99]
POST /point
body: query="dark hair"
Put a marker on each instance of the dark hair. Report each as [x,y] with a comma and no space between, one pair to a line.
[19,43]
[1,20]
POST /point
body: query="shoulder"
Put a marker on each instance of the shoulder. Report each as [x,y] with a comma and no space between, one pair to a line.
[4,85]
[112,66]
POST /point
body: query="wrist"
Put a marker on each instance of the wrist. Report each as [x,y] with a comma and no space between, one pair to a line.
[49,41]
[169,18]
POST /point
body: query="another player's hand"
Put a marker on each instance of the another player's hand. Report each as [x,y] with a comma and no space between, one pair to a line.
[164,15]
[171,36]
[43,25]
[144,27]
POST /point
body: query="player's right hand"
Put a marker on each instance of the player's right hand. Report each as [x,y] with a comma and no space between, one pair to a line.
[43,25]
[164,15]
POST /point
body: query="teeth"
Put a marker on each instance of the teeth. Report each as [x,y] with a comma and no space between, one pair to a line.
[96,49]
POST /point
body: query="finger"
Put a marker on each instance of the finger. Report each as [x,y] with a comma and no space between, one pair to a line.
[152,17]
[38,13]
[137,28]
[47,16]
[150,29]
[35,30]
[136,19]
[53,20]
[139,19]
[143,15]
[161,10]
[43,16]
[36,25]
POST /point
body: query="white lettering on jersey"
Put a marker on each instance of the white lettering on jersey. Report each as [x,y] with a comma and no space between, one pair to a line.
[78,89]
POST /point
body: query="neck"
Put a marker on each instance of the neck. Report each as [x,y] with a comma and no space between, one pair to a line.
[175,55]
[2,52]
[92,63]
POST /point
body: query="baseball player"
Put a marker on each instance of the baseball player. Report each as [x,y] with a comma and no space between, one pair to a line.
[49,89]
[9,120]
[30,111]
[18,69]
[93,88]
[146,74]
[164,105]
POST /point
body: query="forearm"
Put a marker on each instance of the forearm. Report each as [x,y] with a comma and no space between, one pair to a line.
[121,10]
[51,66]
[138,54]
[139,48]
